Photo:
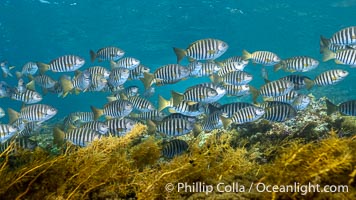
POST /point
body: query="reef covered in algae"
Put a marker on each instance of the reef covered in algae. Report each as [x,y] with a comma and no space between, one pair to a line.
[319,150]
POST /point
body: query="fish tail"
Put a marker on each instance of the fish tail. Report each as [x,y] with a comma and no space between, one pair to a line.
[324,43]
[97,112]
[151,126]
[147,79]
[67,85]
[163,103]
[13,115]
[246,55]
[308,83]
[43,67]
[31,85]
[215,78]
[177,97]
[254,93]
[330,107]
[277,67]
[180,53]
[92,55]
[197,129]
[328,55]
[58,136]
[226,121]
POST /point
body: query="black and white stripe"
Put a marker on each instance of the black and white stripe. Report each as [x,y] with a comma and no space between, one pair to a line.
[37,112]
[237,78]
[110,53]
[6,132]
[28,96]
[276,88]
[346,56]
[348,108]
[279,112]
[171,72]
[297,80]
[119,127]
[137,72]
[82,136]
[231,108]
[345,36]
[141,104]
[206,49]
[330,77]
[247,114]
[174,148]
[129,63]
[66,63]
[118,108]
[175,127]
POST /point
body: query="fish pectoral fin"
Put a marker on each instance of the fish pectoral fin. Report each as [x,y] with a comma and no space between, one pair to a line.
[338,62]
[179,129]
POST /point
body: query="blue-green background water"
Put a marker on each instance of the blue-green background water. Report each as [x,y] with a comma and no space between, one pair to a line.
[34,30]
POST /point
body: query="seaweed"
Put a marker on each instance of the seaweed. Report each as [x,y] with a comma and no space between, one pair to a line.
[131,167]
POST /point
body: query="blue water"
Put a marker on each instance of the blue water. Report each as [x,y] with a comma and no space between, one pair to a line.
[39,30]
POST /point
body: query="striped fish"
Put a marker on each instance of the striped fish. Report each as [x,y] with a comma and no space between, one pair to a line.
[98,70]
[231,108]
[237,59]
[82,117]
[29,129]
[237,90]
[196,94]
[205,49]
[81,82]
[180,116]
[346,108]
[100,127]
[330,77]
[152,115]
[276,88]
[231,67]
[195,68]
[171,127]
[79,136]
[233,78]
[6,132]
[66,63]
[326,45]
[265,58]
[141,104]
[33,113]
[118,108]
[245,115]
[174,148]
[19,144]
[344,36]
[344,56]
[297,80]
[119,127]
[289,98]
[44,81]
[218,88]
[297,64]
[28,97]
[129,63]
[206,69]
[107,53]
[29,68]
[213,121]
[137,73]
[187,109]
[98,83]
[118,76]
[279,112]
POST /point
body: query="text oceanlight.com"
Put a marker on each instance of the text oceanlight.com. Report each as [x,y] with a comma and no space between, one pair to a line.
[303,189]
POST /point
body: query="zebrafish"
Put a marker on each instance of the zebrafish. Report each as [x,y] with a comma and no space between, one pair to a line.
[297,80]
[231,108]
[174,148]
[297,64]
[230,67]
[141,104]
[195,94]
[118,76]
[289,98]
[66,63]
[346,108]
[98,70]
[233,78]
[265,58]
[205,49]
[19,144]
[107,53]
[152,115]
[206,69]
[273,89]
[138,72]
[237,90]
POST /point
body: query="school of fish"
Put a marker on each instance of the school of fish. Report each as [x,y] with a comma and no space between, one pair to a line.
[195,110]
